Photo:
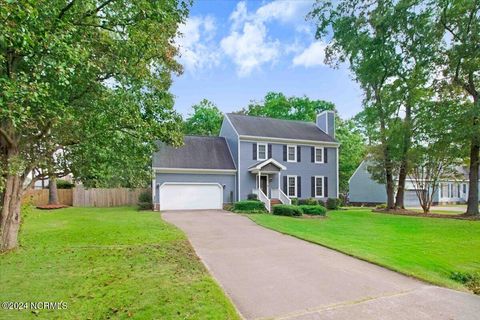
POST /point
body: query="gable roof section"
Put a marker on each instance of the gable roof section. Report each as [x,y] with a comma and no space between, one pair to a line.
[198,152]
[277,128]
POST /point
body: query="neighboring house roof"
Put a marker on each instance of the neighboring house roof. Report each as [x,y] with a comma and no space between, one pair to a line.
[198,152]
[276,128]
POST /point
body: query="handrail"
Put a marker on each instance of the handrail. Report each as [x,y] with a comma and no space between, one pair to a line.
[283,197]
[262,197]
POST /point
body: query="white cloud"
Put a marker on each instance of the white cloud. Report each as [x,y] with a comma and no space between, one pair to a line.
[249,48]
[197,50]
[313,55]
[248,44]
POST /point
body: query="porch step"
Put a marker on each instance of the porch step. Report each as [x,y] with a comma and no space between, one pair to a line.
[275,201]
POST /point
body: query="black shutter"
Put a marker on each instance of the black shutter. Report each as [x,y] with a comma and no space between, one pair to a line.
[254,152]
[313,154]
[299,187]
[269,150]
[285,185]
[299,154]
[284,153]
[313,187]
[325,155]
[325,183]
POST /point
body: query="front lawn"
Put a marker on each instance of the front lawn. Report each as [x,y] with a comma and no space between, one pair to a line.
[114,263]
[427,248]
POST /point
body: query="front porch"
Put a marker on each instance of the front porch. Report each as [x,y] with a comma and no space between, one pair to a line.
[267,175]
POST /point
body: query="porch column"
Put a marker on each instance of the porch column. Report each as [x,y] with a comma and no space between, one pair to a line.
[258,180]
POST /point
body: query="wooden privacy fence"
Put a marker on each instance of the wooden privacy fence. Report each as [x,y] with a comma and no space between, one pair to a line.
[81,197]
[114,197]
[40,197]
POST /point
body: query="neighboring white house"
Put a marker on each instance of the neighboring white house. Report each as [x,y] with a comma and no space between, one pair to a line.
[364,190]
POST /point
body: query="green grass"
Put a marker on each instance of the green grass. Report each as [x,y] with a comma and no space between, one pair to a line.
[426,248]
[114,263]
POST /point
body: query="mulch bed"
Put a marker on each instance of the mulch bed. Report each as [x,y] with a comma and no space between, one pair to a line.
[52,206]
[404,212]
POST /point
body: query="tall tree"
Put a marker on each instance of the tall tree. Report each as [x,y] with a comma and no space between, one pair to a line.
[460,20]
[361,34]
[86,81]
[352,146]
[205,120]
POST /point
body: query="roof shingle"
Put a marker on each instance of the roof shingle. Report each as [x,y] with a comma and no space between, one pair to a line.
[197,153]
[277,128]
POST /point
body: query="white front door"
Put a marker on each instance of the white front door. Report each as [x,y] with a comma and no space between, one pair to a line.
[185,196]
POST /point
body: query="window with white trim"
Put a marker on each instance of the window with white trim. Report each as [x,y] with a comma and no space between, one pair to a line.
[319,186]
[292,186]
[291,153]
[262,151]
[318,154]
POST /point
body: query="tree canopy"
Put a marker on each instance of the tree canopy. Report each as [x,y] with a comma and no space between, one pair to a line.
[206,119]
[84,89]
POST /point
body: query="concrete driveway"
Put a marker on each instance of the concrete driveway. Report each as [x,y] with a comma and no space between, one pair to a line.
[271,275]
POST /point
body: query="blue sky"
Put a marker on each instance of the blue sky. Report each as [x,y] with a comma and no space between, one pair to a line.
[235,52]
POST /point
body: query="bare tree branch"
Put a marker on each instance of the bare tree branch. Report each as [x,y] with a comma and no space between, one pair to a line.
[65,9]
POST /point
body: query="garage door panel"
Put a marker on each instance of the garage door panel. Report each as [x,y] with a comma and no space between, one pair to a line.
[186,196]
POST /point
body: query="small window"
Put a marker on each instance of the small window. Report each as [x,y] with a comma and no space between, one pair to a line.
[292,186]
[464,188]
[318,155]
[262,151]
[319,187]
[291,153]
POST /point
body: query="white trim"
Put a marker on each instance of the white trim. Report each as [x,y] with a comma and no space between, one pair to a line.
[238,154]
[288,186]
[354,172]
[194,170]
[338,177]
[315,155]
[292,146]
[153,190]
[266,150]
[271,160]
[247,138]
[323,187]
[189,183]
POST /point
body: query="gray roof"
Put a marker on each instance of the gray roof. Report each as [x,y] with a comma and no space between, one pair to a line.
[276,128]
[197,153]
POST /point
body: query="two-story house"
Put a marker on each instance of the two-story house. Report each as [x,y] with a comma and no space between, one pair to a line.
[275,159]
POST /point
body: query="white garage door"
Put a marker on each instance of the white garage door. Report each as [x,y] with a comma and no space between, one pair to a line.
[411,199]
[181,196]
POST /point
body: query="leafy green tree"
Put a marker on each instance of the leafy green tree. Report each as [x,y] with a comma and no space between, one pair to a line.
[277,105]
[206,119]
[83,89]
[460,64]
[362,36]
[352,147]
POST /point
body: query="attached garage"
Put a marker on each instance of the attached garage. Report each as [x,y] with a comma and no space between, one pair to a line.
[199,175]
[185,196]
[411,199]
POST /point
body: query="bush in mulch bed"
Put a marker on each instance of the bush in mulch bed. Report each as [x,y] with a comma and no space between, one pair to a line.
[52,206]
[313,210]
[404,212]
[249,206]
[287,210]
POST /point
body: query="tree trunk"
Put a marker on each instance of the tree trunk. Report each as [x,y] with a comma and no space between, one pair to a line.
[402,175]
[10,213]
[52,191]
[472,204]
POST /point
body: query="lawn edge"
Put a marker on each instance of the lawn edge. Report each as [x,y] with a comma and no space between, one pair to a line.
[459,288]
[207,268]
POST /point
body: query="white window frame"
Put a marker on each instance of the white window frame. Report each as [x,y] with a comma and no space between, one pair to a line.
[288,186]
[323,187]
[295,153]
[258,151]
[322,152]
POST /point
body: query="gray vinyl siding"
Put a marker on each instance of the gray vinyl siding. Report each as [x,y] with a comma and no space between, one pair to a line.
[228,132]
[331,124]
[305,169]
[363,189]
[224,179]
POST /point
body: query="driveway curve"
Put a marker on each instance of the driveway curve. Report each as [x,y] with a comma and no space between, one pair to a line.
[269,275]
